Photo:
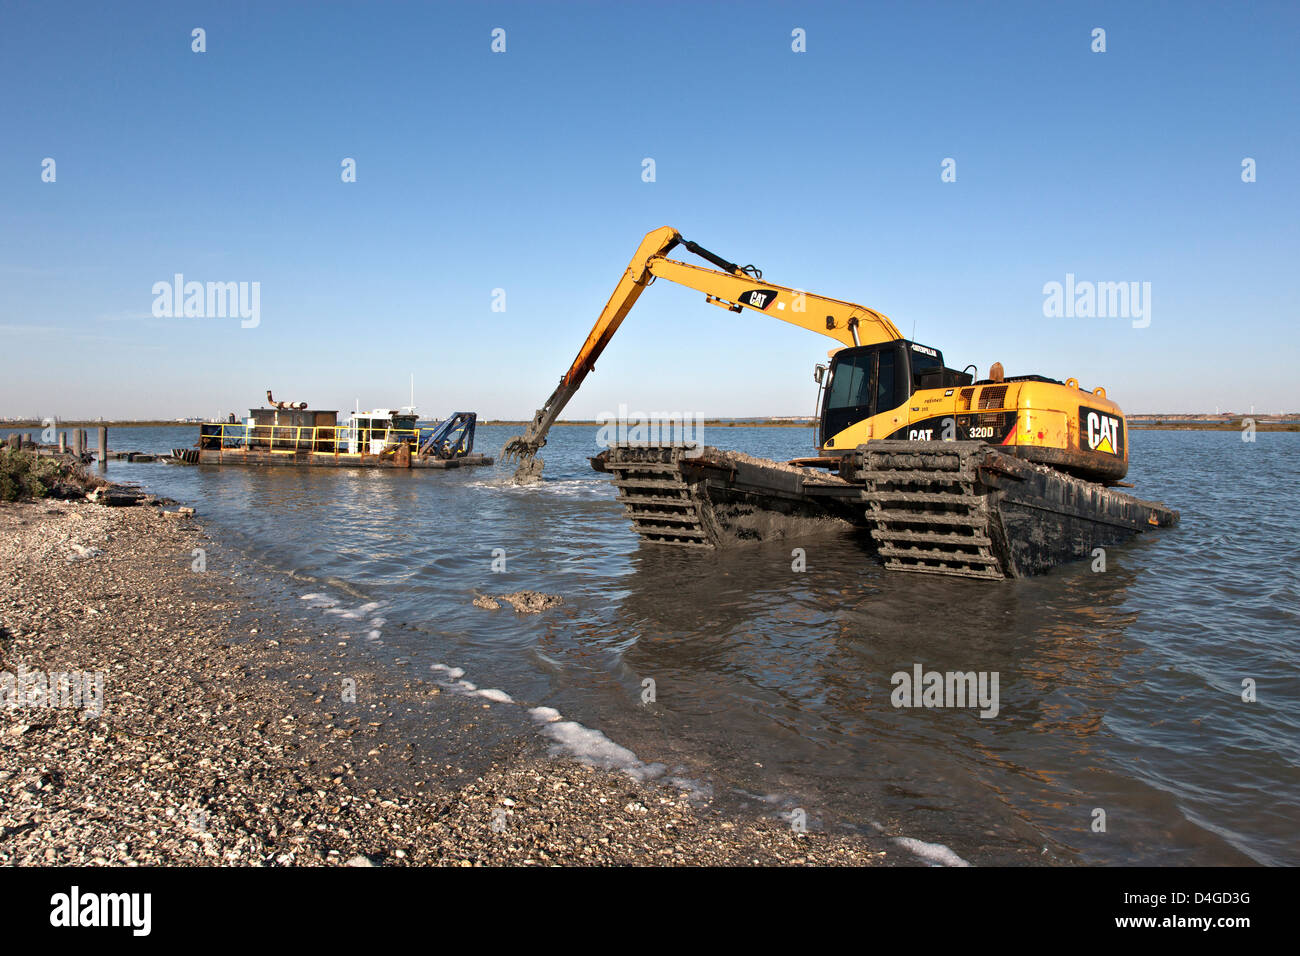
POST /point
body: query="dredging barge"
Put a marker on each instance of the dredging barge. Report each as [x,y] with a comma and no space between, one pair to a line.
[290,434]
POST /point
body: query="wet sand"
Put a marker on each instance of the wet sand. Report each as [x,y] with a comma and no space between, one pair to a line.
[224,736]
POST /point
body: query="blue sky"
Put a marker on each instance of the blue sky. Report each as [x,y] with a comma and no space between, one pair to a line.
[522,171]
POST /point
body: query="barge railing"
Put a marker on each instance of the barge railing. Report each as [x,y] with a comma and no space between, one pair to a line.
[336,440]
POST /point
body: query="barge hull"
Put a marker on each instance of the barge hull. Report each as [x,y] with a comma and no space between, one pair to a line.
[257,456]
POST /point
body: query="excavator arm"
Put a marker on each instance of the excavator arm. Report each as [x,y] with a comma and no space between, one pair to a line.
[732,287]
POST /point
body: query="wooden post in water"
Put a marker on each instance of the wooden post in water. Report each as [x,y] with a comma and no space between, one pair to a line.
[63,443]
[78,442]
[103,447]
[13,440]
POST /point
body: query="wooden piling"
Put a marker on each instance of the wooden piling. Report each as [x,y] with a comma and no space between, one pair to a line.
[78,442]
[13,440]
[63,443]
[103,447]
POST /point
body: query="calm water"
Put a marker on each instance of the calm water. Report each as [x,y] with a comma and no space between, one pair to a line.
[1119,690]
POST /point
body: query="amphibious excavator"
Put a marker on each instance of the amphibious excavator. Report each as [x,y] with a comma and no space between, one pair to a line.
[991,478]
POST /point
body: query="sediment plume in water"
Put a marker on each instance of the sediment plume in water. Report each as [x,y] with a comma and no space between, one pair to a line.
[529,471]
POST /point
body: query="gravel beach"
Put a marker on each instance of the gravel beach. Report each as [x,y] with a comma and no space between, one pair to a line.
[209,730]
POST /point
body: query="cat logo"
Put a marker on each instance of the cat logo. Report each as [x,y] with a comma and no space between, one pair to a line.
[1104,432]
[757,298]
[919,434]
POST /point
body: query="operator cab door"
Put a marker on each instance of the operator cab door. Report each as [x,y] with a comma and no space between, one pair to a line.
[864,381]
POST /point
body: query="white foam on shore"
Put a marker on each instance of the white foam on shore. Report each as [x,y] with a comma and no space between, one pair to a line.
[355,613]
[371,629]
[572,739]
[935,853]
[595,749]
[698,791]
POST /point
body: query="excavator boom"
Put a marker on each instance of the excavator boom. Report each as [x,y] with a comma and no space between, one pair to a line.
[729,286]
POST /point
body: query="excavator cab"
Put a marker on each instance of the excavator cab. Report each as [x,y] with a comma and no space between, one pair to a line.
[870,380]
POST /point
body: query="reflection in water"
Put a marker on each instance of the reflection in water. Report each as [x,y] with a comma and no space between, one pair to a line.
[1119,691]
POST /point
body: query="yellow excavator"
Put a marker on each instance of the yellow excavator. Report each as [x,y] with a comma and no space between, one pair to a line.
[945,465]
[879,385]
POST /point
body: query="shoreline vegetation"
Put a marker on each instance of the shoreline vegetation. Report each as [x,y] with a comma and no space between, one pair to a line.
[1289,422]
[25,476]
[218,735]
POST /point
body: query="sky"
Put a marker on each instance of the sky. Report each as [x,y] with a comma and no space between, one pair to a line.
[523,171]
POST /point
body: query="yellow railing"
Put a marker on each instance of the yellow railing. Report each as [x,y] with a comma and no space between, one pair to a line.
[321,439]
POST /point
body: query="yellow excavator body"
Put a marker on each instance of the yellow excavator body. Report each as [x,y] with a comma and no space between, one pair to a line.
[1057,424]
[878,385]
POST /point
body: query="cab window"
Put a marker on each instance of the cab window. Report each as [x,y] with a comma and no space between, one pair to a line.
[922,363]
[851,385]
[887,387]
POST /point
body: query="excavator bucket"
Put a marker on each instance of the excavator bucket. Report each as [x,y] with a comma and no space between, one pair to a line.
[523,449]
